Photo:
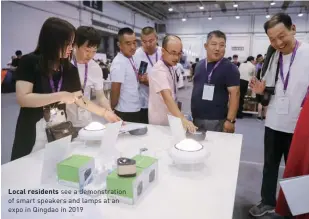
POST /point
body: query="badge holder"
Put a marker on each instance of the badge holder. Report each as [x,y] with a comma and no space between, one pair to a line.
[82,114]
[208,92]
[282,105]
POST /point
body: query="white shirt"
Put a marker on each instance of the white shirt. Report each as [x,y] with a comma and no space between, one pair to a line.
[122,71]
[296,91]
[95,81]
[246,70]
[139,56]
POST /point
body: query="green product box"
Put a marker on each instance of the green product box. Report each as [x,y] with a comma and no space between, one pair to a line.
[76,171]
[130,189]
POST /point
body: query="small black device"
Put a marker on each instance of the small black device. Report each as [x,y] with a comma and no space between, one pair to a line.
[142,68]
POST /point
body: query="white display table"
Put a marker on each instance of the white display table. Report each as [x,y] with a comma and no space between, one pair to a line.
[208,193]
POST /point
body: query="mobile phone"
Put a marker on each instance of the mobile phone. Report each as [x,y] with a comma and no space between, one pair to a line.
[142,68]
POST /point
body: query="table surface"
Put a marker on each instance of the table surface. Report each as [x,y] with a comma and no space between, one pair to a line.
[206,193]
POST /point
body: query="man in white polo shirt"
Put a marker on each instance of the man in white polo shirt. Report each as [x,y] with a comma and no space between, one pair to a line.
[87,40]
[150,53]
[125,96]
[285,104]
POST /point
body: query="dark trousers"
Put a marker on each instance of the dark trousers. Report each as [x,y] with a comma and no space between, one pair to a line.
[276,144]
[243,91]
[144,116]
[130,116]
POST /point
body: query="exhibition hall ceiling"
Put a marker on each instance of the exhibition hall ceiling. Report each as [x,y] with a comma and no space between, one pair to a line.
[163,10]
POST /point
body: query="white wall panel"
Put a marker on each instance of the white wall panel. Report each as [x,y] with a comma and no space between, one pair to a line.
[20,26]
[254,40]
[203,25]
[21,21]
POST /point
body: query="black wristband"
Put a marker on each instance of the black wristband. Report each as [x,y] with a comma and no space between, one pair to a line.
[231,121]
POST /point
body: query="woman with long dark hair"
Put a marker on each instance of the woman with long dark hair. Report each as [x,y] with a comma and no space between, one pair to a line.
[46,81]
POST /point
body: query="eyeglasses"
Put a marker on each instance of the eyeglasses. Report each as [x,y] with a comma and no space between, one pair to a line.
[174,54]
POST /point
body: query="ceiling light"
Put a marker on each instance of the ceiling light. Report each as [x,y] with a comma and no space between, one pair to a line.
[267,16]
[184,19]
[300,14]
[170,9]
[201,7]
[237,17]
[210,18]
[235,5]
[272,3]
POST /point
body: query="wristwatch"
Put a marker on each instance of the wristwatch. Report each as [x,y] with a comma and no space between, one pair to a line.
[233,121]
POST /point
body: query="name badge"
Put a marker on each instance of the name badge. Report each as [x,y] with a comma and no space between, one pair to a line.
[282,105]
[82,114]
[208,92]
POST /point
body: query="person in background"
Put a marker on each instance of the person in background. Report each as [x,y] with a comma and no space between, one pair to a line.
[261,109]
[15,61]
[125,96]
[247,71]
[230,58]
[235,60]
[215,95]
[46,82]
[87,41]
[285,104]
[193,68]
[150,53]
[162,85]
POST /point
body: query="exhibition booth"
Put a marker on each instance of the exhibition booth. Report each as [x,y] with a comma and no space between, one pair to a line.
[133,171]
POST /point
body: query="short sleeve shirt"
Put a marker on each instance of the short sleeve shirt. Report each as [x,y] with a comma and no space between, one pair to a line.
[123,72]
[161,78]
[94,81]
[139,56]
[224,76]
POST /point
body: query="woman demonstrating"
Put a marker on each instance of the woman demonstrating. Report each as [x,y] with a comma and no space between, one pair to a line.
[46,79]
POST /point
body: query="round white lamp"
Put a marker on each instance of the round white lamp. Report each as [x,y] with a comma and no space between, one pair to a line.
[92,132]
[188,151]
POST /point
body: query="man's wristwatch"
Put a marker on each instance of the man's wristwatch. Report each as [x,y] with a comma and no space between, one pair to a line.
[233,121]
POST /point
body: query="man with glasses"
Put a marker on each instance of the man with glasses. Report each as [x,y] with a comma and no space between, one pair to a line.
[150,53]
[162,85]
[215,95]
[87,41]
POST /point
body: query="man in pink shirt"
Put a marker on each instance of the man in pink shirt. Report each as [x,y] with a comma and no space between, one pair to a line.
[162,86]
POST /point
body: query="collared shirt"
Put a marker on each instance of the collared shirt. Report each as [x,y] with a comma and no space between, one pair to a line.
[224,76]
[246,70]
[139,56]
[95,81]
[121,71]
[161,78]
[296,91]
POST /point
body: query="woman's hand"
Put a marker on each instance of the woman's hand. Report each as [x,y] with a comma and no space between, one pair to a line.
[110,116]
[67,97]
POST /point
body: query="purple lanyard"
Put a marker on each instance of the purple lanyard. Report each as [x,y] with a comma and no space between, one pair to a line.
[86,73]
[173,78]
[52,84]
[210,73]
[150,59]
[286,81]
[134,67]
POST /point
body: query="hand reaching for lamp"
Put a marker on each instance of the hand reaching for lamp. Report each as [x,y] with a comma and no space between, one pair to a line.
[111,117]
[188,125]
